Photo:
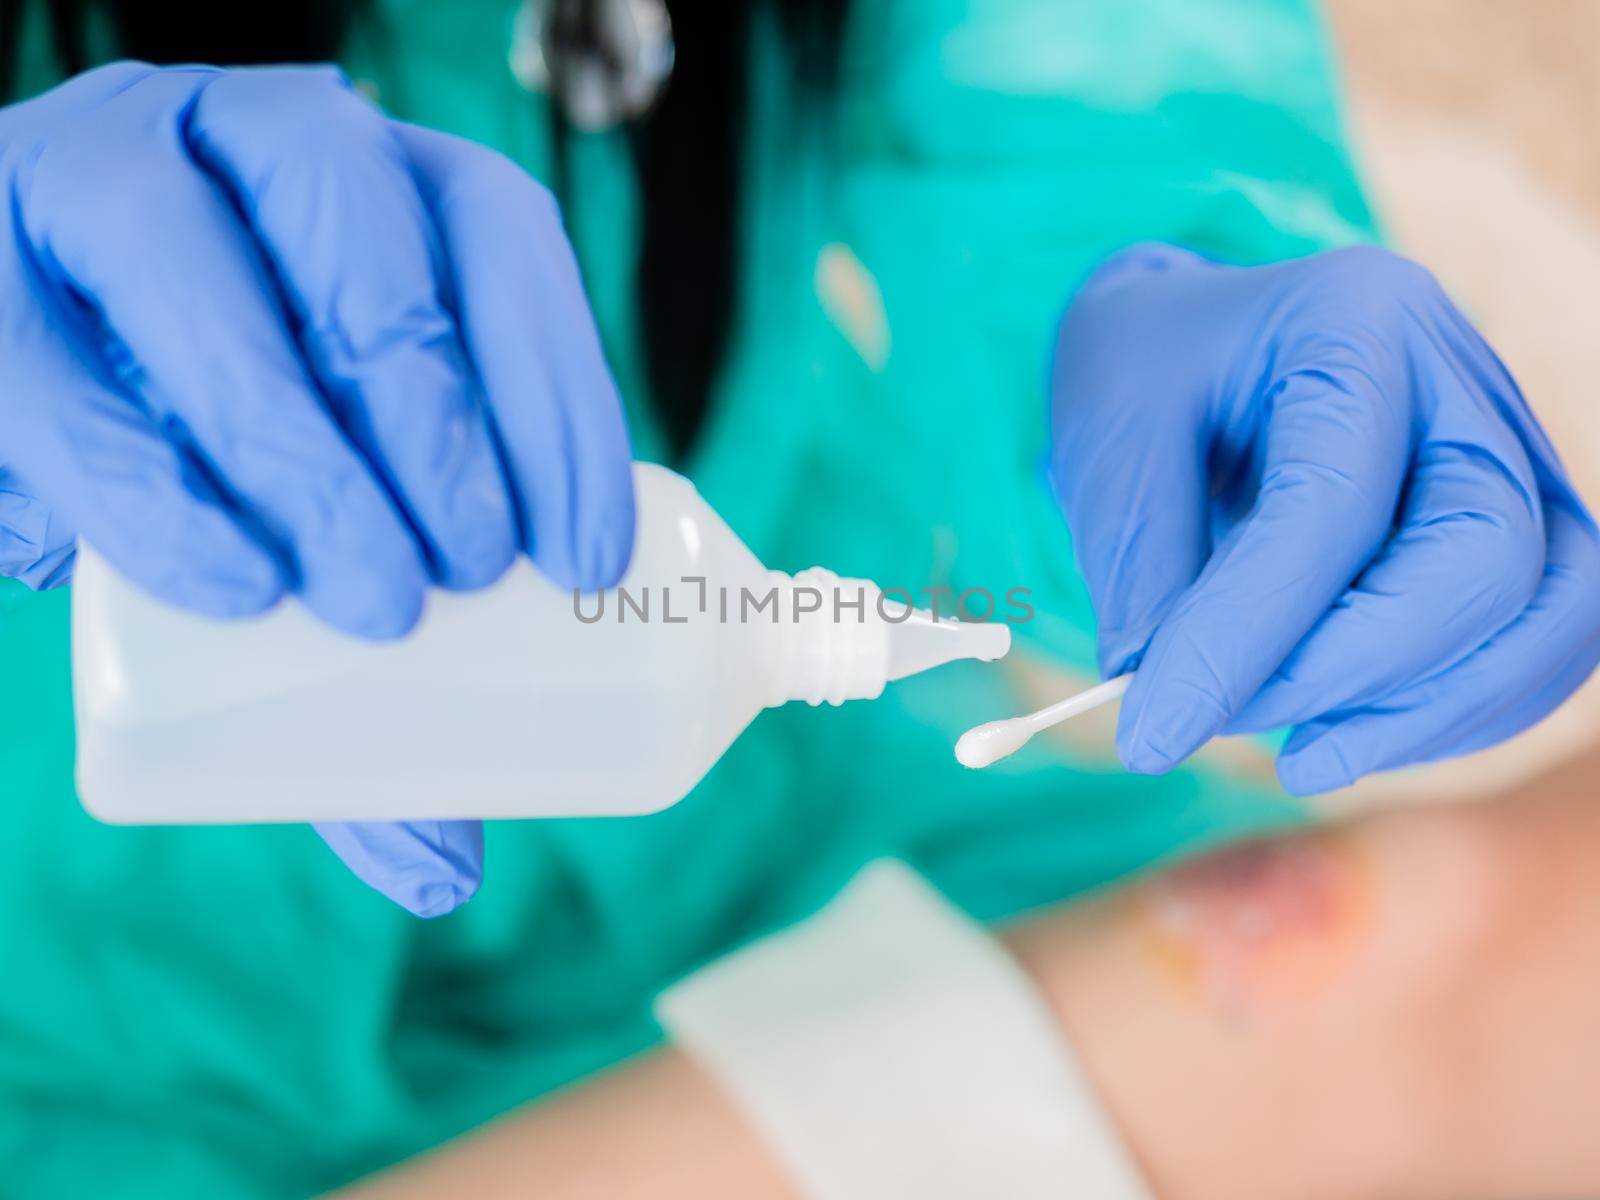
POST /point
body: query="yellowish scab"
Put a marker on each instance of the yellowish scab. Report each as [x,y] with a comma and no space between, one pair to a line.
[1260,924]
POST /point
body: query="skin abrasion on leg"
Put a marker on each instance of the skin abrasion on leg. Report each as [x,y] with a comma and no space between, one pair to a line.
[1261,925]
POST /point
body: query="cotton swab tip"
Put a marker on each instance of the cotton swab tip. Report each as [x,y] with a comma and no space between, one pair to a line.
[990,743]
[986,744]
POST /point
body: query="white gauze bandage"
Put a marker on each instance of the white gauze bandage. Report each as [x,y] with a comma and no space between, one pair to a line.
[889,1047]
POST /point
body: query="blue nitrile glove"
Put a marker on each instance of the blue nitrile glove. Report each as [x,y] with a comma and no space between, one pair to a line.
[1309,495]
[257,339]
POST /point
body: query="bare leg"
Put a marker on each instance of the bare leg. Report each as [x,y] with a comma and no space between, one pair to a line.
[1403,1007]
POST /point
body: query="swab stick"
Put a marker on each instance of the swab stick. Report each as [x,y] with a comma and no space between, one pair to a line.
[986,744]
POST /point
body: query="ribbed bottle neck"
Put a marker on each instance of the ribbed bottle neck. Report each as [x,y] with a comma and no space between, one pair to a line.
[829,643]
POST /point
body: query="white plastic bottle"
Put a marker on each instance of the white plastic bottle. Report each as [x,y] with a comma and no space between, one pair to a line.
[517,701]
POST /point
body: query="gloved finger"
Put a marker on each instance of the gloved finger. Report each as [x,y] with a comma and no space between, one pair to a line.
[328,192]
[1134,490]
[429,868]
[188,310]
[528,329]
[1336,446]
[1467,559]
[37,547]
[133,495]
[88,88]
[1513,681]
[1491,379]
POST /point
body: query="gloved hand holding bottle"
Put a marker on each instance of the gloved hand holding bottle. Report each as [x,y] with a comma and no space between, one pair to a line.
[258,339]
[1308,494]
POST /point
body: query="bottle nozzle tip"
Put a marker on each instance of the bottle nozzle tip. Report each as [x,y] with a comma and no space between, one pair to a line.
[919,643]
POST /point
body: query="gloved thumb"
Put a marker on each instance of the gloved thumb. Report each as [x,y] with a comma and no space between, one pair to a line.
[36,545]
[429,868]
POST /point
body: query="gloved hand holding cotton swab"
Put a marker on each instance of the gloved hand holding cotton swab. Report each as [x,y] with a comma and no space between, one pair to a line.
[987,744]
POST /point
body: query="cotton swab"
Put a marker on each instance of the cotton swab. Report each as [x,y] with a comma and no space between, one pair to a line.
[986,744]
